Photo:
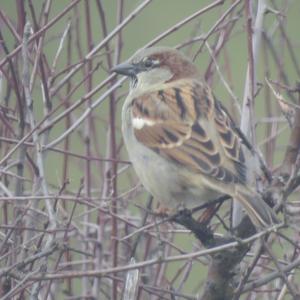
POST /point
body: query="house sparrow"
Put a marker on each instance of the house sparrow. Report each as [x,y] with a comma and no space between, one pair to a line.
[181,141]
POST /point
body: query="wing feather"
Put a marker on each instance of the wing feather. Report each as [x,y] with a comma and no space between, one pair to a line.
[180,134]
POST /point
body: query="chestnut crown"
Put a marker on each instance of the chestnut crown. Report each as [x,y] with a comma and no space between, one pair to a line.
[145,60]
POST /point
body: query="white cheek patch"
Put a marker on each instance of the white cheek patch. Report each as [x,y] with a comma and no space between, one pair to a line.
[139,123]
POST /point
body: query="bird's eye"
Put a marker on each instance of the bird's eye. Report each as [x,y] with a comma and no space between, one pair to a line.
[148,63]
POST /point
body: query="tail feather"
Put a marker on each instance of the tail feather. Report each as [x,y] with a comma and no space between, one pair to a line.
[259,212]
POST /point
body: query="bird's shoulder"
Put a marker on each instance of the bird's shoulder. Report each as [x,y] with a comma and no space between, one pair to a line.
[183,100]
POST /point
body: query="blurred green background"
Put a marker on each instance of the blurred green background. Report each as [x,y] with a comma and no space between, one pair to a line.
[157,17]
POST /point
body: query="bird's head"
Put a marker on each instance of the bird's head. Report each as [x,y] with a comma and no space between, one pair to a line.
[156,65]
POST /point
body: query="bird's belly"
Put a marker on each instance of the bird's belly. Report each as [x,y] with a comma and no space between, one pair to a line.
[169,183]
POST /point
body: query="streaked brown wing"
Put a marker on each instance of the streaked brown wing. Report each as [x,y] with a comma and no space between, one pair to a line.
[230,140]
[179,133]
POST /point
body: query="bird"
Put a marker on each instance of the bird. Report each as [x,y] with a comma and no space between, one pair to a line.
[181,141]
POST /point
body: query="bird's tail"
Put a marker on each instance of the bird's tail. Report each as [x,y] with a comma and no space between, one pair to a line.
[261,215]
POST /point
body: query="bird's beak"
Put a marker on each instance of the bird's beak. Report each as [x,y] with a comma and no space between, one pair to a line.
[126,69]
